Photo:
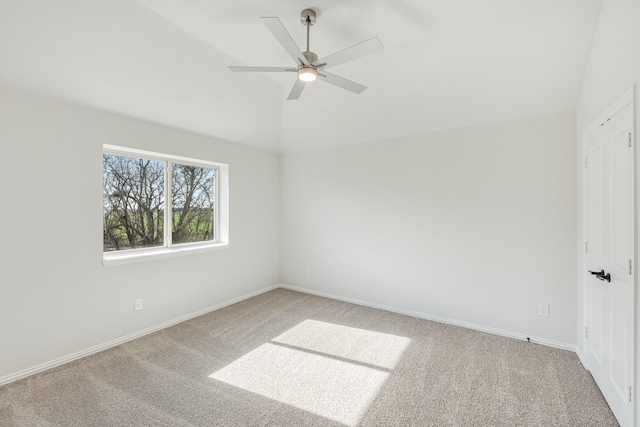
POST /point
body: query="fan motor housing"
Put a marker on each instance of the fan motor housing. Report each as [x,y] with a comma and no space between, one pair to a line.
[311,57]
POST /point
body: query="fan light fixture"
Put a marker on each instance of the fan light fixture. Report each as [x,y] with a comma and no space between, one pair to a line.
[307,74]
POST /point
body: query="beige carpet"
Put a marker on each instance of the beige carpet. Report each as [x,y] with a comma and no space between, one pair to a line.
[290,359]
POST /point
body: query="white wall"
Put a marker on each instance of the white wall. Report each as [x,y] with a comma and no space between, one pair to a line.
[476,225]
[56,298]
[614,67]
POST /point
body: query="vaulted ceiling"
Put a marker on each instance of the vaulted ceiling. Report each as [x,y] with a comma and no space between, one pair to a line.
[446,64]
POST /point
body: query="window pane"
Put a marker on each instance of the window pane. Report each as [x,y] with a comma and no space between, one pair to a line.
[193,196]
[133,198]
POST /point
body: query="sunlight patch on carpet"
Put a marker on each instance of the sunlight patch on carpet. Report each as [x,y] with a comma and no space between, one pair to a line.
[336,372]
[360,345]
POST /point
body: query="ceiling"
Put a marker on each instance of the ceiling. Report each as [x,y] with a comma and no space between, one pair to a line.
[446,64]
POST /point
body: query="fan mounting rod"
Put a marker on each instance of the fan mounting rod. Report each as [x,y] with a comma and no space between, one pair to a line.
[308,18]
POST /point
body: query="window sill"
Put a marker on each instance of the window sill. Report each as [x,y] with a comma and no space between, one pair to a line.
[111,259]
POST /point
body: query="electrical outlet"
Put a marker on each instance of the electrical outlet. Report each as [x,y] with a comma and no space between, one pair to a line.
[543,310]
[137,305]
[307,272]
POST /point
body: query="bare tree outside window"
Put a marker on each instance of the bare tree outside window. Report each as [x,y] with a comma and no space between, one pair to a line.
[193,198]
[133,196]
[135,208]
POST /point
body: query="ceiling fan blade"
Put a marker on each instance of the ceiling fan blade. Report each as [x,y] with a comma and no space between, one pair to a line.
[261,69]
[296,90]
[365,48]
[342,82]
[280,33]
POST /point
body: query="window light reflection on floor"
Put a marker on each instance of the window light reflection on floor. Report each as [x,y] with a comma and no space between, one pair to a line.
[360,345]
[330,370]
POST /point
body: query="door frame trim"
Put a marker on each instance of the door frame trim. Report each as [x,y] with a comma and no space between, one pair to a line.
[627,98]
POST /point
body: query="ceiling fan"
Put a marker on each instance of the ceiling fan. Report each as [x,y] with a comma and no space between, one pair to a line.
[309,68]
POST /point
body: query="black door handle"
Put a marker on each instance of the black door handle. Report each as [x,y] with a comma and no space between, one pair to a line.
[600,275]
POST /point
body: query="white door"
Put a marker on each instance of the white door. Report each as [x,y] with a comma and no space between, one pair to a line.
[610,239]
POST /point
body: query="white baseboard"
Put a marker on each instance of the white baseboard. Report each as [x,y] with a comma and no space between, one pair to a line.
[495,331]
[100,347]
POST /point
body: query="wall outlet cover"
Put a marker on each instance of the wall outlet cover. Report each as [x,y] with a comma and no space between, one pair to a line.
[543,310]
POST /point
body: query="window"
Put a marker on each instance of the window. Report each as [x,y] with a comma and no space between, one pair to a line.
[157,205]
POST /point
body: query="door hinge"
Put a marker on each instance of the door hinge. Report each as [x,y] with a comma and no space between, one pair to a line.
[630,268]
[586,332]
[586,161]
[586,247]
[629,139]
[630,394]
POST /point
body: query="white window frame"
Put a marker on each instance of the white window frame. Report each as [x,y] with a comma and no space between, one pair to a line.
[221,215]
